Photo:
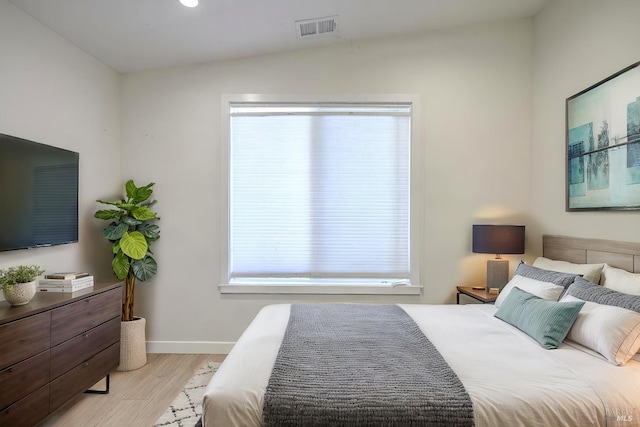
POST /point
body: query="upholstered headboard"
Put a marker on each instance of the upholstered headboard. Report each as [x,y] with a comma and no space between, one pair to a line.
[625,255]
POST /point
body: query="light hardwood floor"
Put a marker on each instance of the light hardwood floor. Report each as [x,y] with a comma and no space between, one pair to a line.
[136,398]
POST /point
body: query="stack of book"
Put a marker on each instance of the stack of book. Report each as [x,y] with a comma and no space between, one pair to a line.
[65,282]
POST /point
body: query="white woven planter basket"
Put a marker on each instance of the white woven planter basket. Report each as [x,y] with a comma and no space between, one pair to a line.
[133,350]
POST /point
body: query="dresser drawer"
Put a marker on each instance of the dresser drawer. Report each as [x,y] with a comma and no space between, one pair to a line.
[28,411]
[24,338]
[80,316]
[83,376]
[22,378]
[70,353]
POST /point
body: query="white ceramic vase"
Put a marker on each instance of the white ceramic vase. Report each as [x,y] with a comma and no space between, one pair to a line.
[20,293]
[133,349]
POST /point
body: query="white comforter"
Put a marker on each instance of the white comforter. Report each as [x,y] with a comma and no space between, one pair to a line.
[512,381]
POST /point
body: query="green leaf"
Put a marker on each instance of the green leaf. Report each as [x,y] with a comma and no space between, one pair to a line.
[115,248]
[108,214]
[131,189]
[114,231]
[105,202]
[120,265]
[143,213]
[143,193]
[137,195]
[130,221]
[120,204]
[126,206]
[144,268]
[150,231]
[134,245]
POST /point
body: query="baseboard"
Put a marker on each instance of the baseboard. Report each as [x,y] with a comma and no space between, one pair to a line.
[189,347]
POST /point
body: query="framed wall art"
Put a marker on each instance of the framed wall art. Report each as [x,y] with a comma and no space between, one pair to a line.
[603,144]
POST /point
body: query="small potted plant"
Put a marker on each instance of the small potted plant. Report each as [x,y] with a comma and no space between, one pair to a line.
[19,283]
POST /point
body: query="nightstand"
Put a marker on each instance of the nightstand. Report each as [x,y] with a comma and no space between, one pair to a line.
[481,295]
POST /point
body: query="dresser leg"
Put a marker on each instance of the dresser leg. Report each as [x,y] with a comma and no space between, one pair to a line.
[105,391]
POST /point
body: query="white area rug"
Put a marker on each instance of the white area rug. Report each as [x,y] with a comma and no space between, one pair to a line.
[185,410]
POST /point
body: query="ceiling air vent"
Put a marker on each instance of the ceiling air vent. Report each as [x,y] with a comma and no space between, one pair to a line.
[317,27]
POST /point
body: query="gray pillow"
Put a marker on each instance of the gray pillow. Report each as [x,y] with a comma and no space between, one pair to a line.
[555,277]
[587,291]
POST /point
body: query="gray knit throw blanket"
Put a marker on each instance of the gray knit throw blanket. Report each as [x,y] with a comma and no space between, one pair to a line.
[361,365]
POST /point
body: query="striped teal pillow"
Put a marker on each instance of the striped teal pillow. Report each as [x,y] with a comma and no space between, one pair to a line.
[547,322]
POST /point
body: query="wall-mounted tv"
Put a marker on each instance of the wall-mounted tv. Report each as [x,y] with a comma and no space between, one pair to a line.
[38,194]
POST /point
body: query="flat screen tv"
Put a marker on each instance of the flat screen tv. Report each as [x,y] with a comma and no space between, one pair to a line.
[38,194]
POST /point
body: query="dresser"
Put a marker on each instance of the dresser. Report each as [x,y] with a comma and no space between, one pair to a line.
[55,347]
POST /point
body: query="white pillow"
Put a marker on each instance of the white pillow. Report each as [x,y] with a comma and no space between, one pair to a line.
[590,272]
[620,280]
[612,331]
[544,290]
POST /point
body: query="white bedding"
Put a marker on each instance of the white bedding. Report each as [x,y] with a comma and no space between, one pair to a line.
[512,381]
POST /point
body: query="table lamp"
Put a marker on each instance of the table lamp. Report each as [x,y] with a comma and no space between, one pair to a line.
[499,240]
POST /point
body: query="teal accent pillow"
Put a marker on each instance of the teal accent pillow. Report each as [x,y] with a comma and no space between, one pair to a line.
[548,322]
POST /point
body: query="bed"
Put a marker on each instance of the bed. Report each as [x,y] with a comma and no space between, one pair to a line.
[510,378]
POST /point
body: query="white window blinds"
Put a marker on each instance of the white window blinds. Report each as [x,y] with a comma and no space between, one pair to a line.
[319,191]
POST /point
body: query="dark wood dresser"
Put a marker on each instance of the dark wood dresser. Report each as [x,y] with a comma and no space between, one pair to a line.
[55,347]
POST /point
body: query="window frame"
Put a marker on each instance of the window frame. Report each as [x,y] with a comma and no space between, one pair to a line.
[269,286]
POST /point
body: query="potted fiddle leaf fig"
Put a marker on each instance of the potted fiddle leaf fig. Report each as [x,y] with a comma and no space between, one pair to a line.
[19,283]
[131,230]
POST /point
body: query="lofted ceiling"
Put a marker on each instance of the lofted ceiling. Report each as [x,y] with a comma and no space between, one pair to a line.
[136,35]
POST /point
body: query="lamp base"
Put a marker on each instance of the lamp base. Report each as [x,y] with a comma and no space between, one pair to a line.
[497,273]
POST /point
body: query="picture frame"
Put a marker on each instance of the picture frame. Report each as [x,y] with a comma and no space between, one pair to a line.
[603,144]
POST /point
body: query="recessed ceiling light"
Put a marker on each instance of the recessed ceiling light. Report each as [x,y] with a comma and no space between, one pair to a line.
[189,3]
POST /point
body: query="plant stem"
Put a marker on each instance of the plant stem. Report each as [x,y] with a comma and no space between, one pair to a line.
[128,297]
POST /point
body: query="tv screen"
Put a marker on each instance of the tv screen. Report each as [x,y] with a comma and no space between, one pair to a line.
[38,194]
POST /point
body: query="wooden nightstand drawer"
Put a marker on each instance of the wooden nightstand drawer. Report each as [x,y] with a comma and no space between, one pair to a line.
[78,317]
[67,355]
[83,376]
[28,411]
[22,378]
[24,338]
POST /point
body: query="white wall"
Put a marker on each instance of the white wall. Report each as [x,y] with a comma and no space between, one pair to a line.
[577,44]
[475,90]
[485,92]
[54,93]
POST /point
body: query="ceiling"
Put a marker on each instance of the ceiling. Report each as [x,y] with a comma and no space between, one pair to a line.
[136,35]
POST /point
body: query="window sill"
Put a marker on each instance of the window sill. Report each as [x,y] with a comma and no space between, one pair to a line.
[319,289]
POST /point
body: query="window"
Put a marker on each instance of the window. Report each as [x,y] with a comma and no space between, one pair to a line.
[319,193]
